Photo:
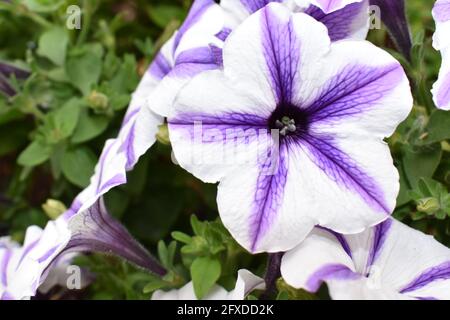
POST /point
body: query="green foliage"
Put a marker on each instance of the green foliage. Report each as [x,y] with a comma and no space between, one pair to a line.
[81,82]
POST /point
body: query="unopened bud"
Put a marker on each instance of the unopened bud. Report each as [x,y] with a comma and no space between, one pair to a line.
[54,208]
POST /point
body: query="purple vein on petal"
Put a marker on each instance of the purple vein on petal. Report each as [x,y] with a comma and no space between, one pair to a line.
[339,23]
[343,170]
[254,5]
[341,238]
[282,53]
[356,89]
[380,235]
[4,267]
[437,273]
[269,193]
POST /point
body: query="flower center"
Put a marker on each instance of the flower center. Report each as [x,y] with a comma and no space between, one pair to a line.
[286,125]
[289,120]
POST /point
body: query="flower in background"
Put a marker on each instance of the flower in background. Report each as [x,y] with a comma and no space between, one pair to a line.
[45,253]
[6,72]
[23,269]
[332,105]
[441,42]
[390,261]
[245,284]
[344,19]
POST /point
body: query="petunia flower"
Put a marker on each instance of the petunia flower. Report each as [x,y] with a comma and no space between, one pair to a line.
[245,284]
[23,269]
[389,261]
[441,42]
[187,53]
[344,19]
[45,252]
[308,117]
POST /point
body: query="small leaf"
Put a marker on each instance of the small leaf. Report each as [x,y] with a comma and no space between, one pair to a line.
[53,45]
[438,126]
[422,163]
[205,272]
[181,237]
[89,127]
[78,165]
[67,117]
[35,154]
[84,70]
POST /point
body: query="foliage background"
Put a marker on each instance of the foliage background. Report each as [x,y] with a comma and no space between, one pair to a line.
[53,130]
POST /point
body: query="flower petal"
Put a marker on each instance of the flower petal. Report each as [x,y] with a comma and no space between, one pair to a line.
[319,258]
[441,15]
[329,6]
[23,269]
[350,22]
[190,51]
[393,15]
[441,88]
[392,261]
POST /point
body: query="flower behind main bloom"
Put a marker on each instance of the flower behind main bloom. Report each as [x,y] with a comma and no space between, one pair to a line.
[441,42]
[332,104]
[390,261]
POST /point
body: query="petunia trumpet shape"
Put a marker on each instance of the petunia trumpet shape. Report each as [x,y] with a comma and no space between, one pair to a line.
[245,284]
[390,261]
[307,119]
[393,15]
[94,230]
[38,263]
[343,19]
[23,269]
[441,42]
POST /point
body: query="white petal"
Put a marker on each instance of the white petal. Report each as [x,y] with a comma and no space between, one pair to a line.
[329,6]
[318,258]
[245,284]
[441,88]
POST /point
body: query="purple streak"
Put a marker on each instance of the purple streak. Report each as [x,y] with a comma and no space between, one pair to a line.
[437,273]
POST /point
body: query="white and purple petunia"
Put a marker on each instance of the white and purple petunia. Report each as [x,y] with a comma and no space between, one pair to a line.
[45,253]
[245,284]
[192,49]
[343,19]
[308,118]
[24,268]
[390,261]
[441,42]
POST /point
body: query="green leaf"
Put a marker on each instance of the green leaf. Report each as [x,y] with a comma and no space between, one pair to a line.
[89,127]
[181,237]
[422,163]
[35,154]
[53,45]
[66,118]
[161,15]
[78,165]
[438,126]
[205,272]
[84,70]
